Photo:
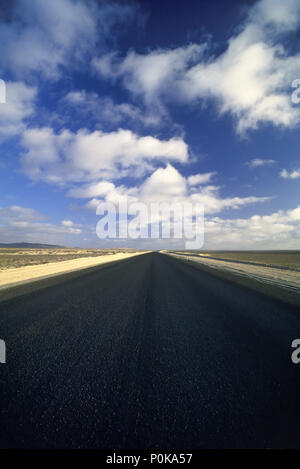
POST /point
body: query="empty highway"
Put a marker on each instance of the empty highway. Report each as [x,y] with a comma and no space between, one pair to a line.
[148,352]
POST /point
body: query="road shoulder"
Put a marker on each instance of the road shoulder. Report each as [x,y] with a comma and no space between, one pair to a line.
[271,289]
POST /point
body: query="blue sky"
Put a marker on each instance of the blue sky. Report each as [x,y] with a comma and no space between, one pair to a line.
[154,101]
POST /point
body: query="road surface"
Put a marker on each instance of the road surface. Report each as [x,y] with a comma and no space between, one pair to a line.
[152,353]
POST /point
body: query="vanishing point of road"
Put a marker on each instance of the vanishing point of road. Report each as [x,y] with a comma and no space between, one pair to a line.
[148,352]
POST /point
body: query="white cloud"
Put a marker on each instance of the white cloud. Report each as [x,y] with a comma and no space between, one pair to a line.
[67,223]
[73,228]
[92,204]
[290,175]
[26,224]
[163,185]
[284,16]
[251,79]
[213,203]
[149,74]
[101,188]
[199,179]
[44,36]
[84,156]
[19,106]
[168,185]
[281,228]
[19,214]
[256,232]
[257,162]
[104,109]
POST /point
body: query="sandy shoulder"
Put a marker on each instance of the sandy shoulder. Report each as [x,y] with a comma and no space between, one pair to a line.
[289,280]
[30,273]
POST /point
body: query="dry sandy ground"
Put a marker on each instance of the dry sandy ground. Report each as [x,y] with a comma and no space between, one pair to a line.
[19,275]
[280,277]
[283,259]
[11,258]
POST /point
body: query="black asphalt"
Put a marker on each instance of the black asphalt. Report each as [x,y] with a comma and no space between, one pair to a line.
[152,353]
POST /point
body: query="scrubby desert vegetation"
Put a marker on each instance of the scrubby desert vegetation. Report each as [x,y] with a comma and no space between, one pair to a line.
[14,257]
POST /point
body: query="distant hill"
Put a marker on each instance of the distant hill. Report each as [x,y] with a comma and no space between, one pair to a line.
[29,245]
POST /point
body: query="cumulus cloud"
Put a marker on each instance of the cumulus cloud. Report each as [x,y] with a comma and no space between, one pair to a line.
[92,204]
[98,189]
[17,214]
[199,179]
[250,80]
[257,232]
[44,36]
[295,174]
[149,75]
[163,185]
[105,110]
[167,184]
[257,162]
[67,223]
[71,157]
[26,224]
[18,108]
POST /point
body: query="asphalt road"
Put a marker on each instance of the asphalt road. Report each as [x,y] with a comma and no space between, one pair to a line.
[152,353]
